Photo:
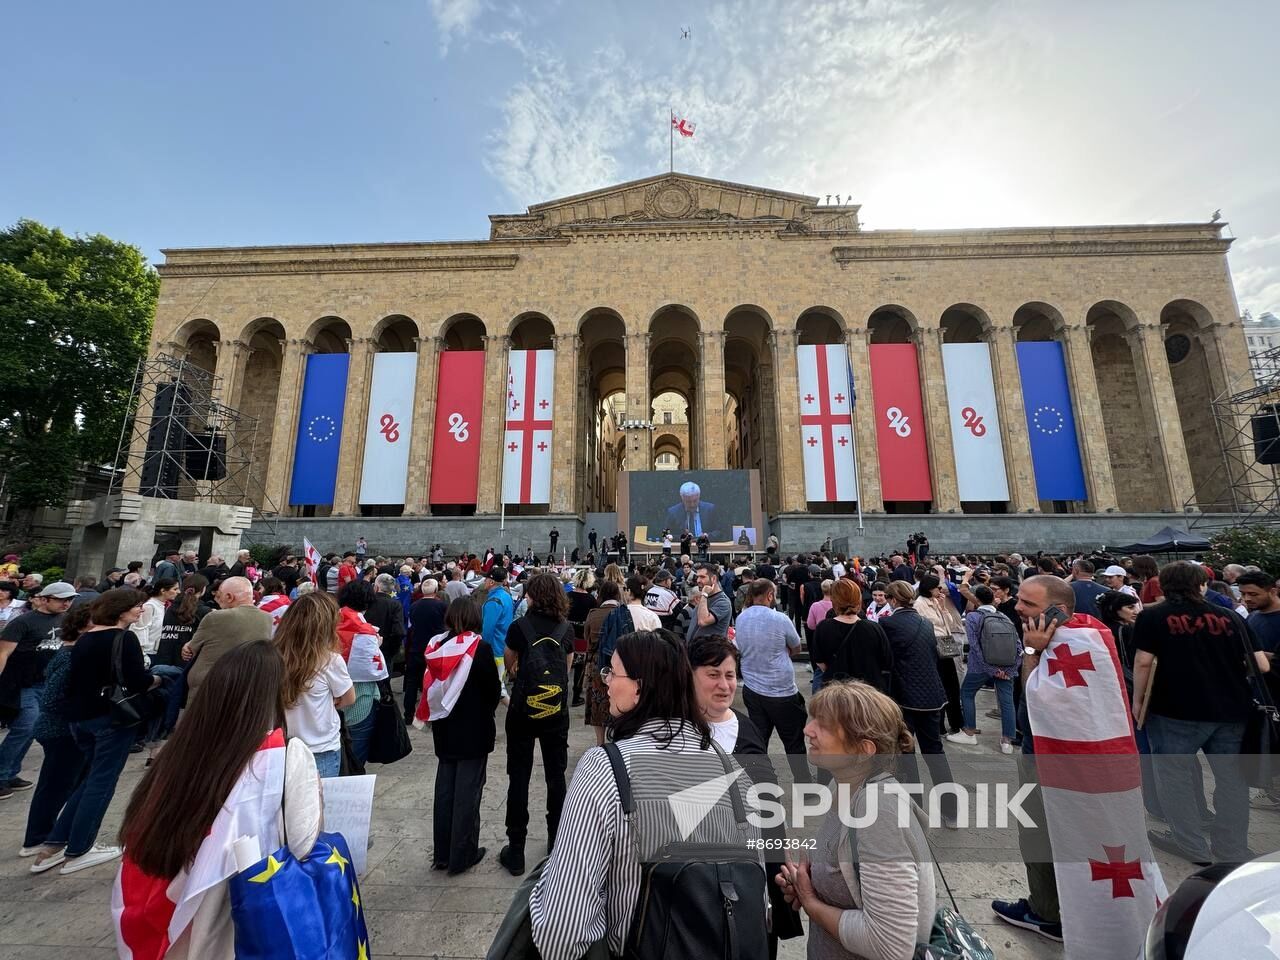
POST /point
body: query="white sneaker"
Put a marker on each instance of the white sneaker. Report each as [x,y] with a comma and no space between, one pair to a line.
[1262,800]
[49,861]
[97,854]
[1006,746]
[962,737]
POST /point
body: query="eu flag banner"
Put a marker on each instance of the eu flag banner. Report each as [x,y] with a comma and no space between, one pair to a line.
[315,453]
[1055,451]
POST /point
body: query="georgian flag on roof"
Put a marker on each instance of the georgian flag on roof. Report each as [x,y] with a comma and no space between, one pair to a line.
[682,126]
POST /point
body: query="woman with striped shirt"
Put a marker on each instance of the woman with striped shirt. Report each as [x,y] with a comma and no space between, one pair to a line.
[590,886]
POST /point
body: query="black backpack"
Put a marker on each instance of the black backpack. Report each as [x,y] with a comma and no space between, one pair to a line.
[705,900]
[1000,640]
[542,676]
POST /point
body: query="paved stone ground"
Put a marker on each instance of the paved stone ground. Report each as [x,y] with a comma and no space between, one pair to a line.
[416,912]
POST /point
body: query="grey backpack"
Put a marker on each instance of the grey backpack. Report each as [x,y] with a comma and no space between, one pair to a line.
[1000,640]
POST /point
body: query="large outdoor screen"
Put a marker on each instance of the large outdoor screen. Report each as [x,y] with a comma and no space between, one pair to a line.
[723,504]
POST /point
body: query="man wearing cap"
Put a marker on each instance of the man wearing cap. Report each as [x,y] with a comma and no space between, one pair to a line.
[1114,577]
[662,600]
[499,610]
[26,645]
[168,568]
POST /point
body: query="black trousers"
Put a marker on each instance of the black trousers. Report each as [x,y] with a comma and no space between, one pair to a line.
[415,668]
[926,727]
[951,685]
[788,716]
[456,817]
[554,741]
[61,772]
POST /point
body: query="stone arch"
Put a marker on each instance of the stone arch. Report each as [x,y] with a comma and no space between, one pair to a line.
[672,309]
[892,323]
[197,342]
[965,323]
[330,335]
[602,366]
[463,331]
[1127,418]
[752,440]
[1038,321]
[668,445]
[1185,325]
[257,325]
[258,393]
[395,334]
[820,325]
[673,363]
[532,331]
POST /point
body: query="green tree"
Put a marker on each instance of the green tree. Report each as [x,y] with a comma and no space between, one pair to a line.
[78,314]
[1256,544]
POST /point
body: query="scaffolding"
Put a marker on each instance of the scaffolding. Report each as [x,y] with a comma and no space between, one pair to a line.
[1245,489]
[184,443]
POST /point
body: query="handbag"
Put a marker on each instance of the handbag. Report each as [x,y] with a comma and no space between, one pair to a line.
[389,741]
[126,709]
[1261,741]
[308,908]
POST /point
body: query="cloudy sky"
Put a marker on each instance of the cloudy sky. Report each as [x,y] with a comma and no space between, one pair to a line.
[318,121]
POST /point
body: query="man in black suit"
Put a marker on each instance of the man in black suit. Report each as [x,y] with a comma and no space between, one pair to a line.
[694,514]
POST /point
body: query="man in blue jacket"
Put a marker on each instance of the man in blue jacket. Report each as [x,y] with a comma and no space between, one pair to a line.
[499,609]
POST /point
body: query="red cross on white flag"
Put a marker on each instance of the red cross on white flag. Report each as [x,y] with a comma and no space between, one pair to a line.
[526,451]
[1086,759]
[826,427]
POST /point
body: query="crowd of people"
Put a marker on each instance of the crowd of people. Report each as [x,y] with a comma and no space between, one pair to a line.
[650,652]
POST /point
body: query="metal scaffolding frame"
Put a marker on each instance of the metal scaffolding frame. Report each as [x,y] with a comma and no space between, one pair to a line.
[1248,424]
[194,446]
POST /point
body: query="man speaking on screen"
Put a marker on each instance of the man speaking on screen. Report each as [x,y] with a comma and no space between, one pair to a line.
[694,514]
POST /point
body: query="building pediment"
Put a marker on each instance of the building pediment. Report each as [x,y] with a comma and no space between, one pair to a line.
[676,199]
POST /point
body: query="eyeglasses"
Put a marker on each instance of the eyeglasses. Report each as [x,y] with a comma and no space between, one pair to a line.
[608,673]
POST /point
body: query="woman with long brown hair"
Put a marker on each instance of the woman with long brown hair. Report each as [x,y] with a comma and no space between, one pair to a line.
[316,682]
[222,757]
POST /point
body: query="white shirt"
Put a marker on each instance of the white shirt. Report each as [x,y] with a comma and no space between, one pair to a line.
[314,719]
[660,599]
[150,625]
[643,619]
[725,732]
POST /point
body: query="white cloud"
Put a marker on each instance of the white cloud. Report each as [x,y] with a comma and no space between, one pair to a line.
[455,18]
[1250,244]
[1258,288]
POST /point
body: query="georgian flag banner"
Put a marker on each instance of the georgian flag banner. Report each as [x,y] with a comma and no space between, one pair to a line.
[155,914]
[826,430]
[682,126]
[448,666]
[385,473]
[1109,884]
[310,558]
[526,448]
[975,422]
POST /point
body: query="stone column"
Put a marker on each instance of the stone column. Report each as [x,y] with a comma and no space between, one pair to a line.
[639,442]
[1088,409]
[355,417]
[1227,355]
[232,358]
[937,418]
[565,466]
[711,389]
[424,422]
[1019,468]
[496,354]
[864,423]
[284,433]
[791,497]
[1156,383]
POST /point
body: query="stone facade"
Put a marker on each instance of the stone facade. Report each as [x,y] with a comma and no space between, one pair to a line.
[704,288]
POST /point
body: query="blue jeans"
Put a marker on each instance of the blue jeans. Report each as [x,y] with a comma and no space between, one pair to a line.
[1174,746]
[975,681]
[60,774]
[361,733]
[328,763]
[105,748]
[21,733]
[173,690]
[816,683]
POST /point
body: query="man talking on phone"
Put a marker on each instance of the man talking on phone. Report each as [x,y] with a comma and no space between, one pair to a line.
[711,610]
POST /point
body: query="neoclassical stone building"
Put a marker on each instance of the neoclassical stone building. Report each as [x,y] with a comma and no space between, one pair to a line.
[700,288]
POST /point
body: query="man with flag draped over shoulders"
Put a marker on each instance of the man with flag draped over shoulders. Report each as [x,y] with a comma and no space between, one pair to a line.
[1104,879]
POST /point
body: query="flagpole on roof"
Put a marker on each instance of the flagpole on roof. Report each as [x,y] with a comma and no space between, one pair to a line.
[671,137]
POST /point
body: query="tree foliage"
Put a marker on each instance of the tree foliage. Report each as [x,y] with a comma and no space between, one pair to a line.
[1258,545]
[78,312]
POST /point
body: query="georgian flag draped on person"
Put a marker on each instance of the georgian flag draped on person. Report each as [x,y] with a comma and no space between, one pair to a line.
[449,662]
[156,917]
[826,427]
[526,449]
[361,647]
[388,429]
[1086,759]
